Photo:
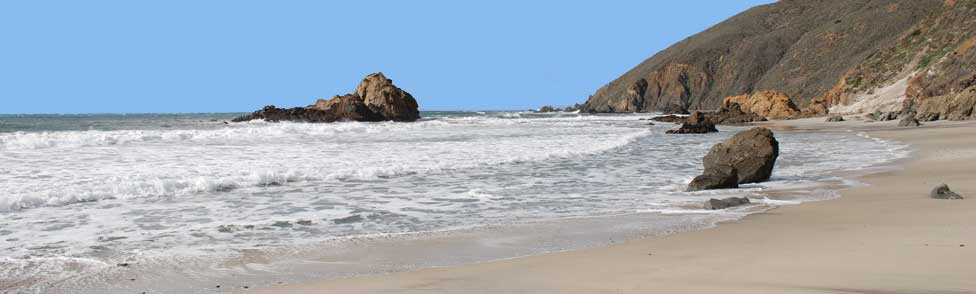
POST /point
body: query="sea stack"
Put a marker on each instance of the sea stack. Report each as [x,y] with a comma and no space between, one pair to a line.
[375,99]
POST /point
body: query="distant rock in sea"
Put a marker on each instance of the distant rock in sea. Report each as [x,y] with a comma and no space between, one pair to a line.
[696,123]
[550,108]
[375,99]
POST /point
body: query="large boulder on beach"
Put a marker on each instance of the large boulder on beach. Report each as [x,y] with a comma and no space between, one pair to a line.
[722,177]
[696,123]
[942,192]
[715,204]
[375,99]
[752,153]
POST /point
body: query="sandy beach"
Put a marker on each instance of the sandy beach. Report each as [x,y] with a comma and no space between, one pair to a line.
[886,236]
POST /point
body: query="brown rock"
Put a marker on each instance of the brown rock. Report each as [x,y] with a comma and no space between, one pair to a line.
[770,104]
[721,177]
[733,115]
[376,99]
[385,99]
[696,123]
[959,106]
[752,153]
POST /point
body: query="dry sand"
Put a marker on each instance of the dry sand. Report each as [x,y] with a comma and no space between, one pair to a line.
[886,237]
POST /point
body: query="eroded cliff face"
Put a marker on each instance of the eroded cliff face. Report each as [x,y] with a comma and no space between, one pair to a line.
[817,52]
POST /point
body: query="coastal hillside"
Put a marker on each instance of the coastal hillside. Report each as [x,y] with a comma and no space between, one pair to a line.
[849,56]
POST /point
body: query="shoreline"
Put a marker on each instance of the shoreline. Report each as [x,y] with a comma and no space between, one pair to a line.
[618,268]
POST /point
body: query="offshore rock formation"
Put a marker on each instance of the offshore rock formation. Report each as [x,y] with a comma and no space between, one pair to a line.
[375,99]
[819,53]
[550,108]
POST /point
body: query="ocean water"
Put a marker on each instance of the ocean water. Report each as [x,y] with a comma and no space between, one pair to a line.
[121,203]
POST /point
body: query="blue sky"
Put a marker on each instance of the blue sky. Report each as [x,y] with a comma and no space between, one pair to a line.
[228,56]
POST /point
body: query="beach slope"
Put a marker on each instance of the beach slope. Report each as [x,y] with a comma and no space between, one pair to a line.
[884,237]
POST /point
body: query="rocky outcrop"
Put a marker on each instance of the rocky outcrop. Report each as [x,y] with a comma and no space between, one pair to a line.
[720,177]
[835,118]
[733,115]
[959,106]
[769,104]
[803,49]
[942,192]
[696,123]
[550,108]
[909,121]
[752,153]
[715,204]
[884,116]
[375,99]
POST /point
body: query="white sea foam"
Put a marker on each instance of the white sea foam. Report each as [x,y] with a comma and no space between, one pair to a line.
[199,191]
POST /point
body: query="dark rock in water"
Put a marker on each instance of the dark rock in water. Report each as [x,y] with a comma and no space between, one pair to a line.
[304,222]
[723,177]
[281,224]
[547,108]
[715,204]
[732,114]
[835,118]
[671,118]
[909,121]
[349,219]
[550,108]
[752,153]
[942,192]
[697,123]
[375,99]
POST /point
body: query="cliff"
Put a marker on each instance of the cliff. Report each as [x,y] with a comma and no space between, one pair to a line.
[819,53]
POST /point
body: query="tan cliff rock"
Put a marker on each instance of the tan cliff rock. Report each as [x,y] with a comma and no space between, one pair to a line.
[770,104]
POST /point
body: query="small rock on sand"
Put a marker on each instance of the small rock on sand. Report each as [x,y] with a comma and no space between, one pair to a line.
[909,122]
[942,192]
